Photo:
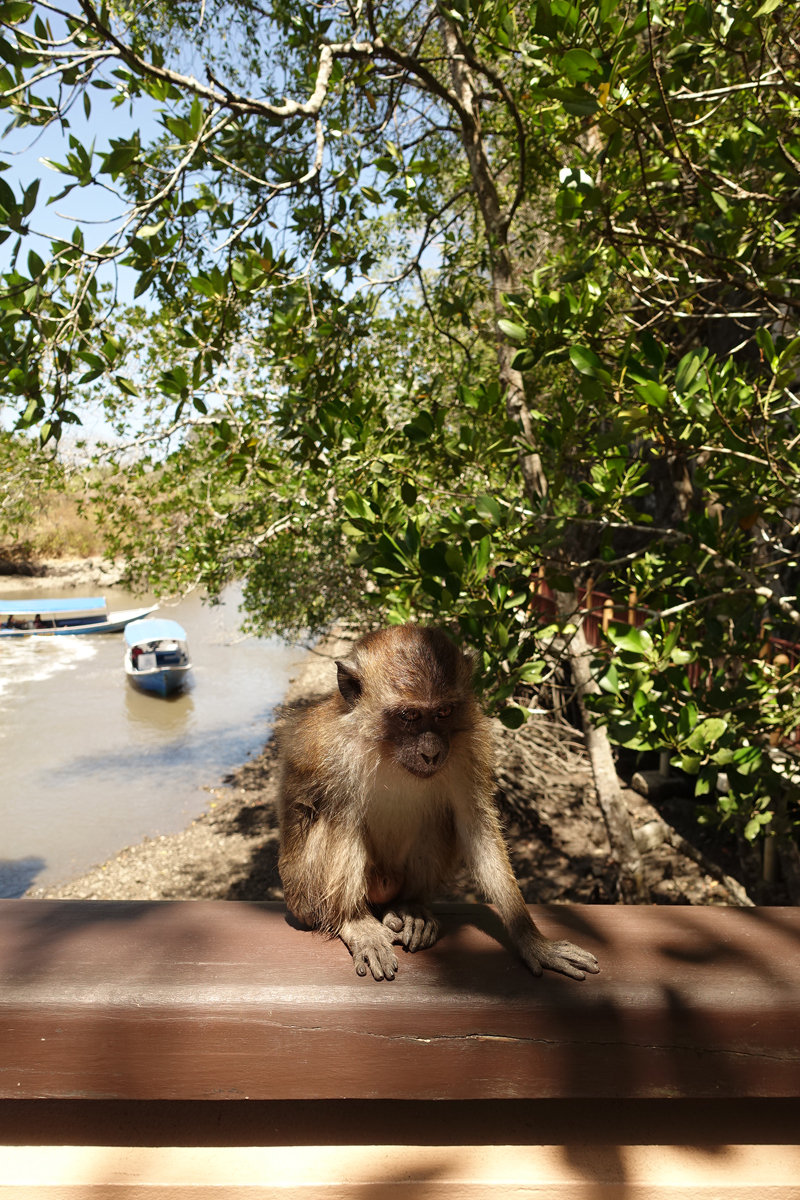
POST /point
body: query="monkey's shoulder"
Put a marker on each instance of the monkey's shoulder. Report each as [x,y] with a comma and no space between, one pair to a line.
[306,736]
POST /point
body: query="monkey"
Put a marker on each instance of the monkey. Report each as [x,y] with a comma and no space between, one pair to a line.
[386,788]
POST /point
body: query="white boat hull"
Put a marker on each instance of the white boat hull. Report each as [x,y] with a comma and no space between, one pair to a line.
[160,681]
[114,623]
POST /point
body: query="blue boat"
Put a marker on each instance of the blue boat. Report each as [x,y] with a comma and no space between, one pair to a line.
[58,618]
[157,655]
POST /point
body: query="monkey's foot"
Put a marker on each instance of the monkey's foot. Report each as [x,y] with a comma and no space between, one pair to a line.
[560,956]
[413,925]
[371,946]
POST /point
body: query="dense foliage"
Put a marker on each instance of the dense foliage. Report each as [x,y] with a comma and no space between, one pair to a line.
[497,288]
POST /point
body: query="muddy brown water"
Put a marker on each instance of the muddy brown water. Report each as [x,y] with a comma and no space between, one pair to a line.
[89,765]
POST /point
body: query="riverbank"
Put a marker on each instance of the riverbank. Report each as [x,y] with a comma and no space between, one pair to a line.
[42,573]
[555,829]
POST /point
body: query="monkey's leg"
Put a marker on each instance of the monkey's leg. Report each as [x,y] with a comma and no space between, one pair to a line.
[413,925]
[370,944]
[488,857]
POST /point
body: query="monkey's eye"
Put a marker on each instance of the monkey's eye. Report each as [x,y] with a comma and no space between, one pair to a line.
[410,714]
[444,710]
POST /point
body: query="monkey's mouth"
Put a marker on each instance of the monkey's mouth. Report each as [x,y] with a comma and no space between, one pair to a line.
[425,770]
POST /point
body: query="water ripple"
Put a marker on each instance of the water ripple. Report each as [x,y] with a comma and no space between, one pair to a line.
[28,660]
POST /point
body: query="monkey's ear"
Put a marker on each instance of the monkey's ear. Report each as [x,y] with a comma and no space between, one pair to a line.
[348,679]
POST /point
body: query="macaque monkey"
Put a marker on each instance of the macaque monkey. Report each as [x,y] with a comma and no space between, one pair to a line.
[386,789]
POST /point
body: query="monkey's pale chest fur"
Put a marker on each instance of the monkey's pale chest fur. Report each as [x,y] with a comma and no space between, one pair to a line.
[404,815]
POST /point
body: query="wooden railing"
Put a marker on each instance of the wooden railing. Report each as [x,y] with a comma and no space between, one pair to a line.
[214,1049]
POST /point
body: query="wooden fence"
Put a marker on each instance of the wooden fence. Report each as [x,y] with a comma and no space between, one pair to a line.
[214,1050]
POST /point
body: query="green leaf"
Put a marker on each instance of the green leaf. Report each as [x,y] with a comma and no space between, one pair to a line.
[578,65]
[126,386]
[767,7]
[628,637]
[148,231]
[586,362]
[357,506]
[746,760]
[482,555]
[432,560]
[512,330]
[513,717]
[706,733]
[687,719]
[13,12]
[532,672]
[7,199]
[488,510]
[409,493]
[764,339]
[653,394]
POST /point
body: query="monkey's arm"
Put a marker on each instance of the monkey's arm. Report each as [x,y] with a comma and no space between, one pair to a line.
[487,857]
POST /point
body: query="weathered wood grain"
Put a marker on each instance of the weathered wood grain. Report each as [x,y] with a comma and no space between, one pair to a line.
[219,1000]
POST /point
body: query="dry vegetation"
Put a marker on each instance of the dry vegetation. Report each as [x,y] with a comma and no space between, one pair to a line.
[58,530]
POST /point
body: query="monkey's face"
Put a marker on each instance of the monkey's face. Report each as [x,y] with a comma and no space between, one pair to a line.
[420,737]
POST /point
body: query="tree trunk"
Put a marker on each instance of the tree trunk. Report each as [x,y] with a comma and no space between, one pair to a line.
[496,222]
[617,818]
[503,272]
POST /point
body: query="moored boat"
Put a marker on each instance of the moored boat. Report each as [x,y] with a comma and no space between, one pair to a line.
[43,618]
[157,655]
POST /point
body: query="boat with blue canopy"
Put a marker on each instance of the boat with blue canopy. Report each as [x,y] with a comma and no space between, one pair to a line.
[157,655]
[43,618]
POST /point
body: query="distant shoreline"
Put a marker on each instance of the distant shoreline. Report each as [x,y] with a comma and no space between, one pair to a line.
[37,575]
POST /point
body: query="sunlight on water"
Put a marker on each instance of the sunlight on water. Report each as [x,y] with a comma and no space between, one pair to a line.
[34,659]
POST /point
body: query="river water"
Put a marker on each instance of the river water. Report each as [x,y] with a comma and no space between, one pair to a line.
[89,765]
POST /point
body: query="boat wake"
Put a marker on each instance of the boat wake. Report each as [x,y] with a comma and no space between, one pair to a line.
[27,660]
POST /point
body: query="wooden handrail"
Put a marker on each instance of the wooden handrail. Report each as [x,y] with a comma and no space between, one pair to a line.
[202,1000]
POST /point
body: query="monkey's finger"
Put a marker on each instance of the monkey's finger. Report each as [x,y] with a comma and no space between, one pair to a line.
[580,958]
[566,968]
[429,934]
[360,964]
[417,930]
[393,922]
[382,962]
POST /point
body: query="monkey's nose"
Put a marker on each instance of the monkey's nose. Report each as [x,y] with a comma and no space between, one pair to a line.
[430,759]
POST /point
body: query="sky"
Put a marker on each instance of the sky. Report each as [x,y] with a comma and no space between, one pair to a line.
[95,206]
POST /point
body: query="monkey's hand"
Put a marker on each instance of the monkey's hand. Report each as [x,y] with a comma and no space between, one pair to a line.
[370,944]
[413,925]
[558,956]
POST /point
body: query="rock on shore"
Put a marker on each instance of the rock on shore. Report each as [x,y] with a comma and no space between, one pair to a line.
[58,572]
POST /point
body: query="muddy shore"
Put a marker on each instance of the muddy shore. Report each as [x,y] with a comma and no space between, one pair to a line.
[554,825]
[58,572]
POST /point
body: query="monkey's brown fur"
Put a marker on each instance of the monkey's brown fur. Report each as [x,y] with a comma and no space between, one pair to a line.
[386,788]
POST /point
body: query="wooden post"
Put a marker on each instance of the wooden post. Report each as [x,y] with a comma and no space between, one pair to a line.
[632,598]
[608,613]
[587,600]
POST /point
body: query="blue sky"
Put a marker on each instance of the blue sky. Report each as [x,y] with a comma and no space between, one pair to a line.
[93,207]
